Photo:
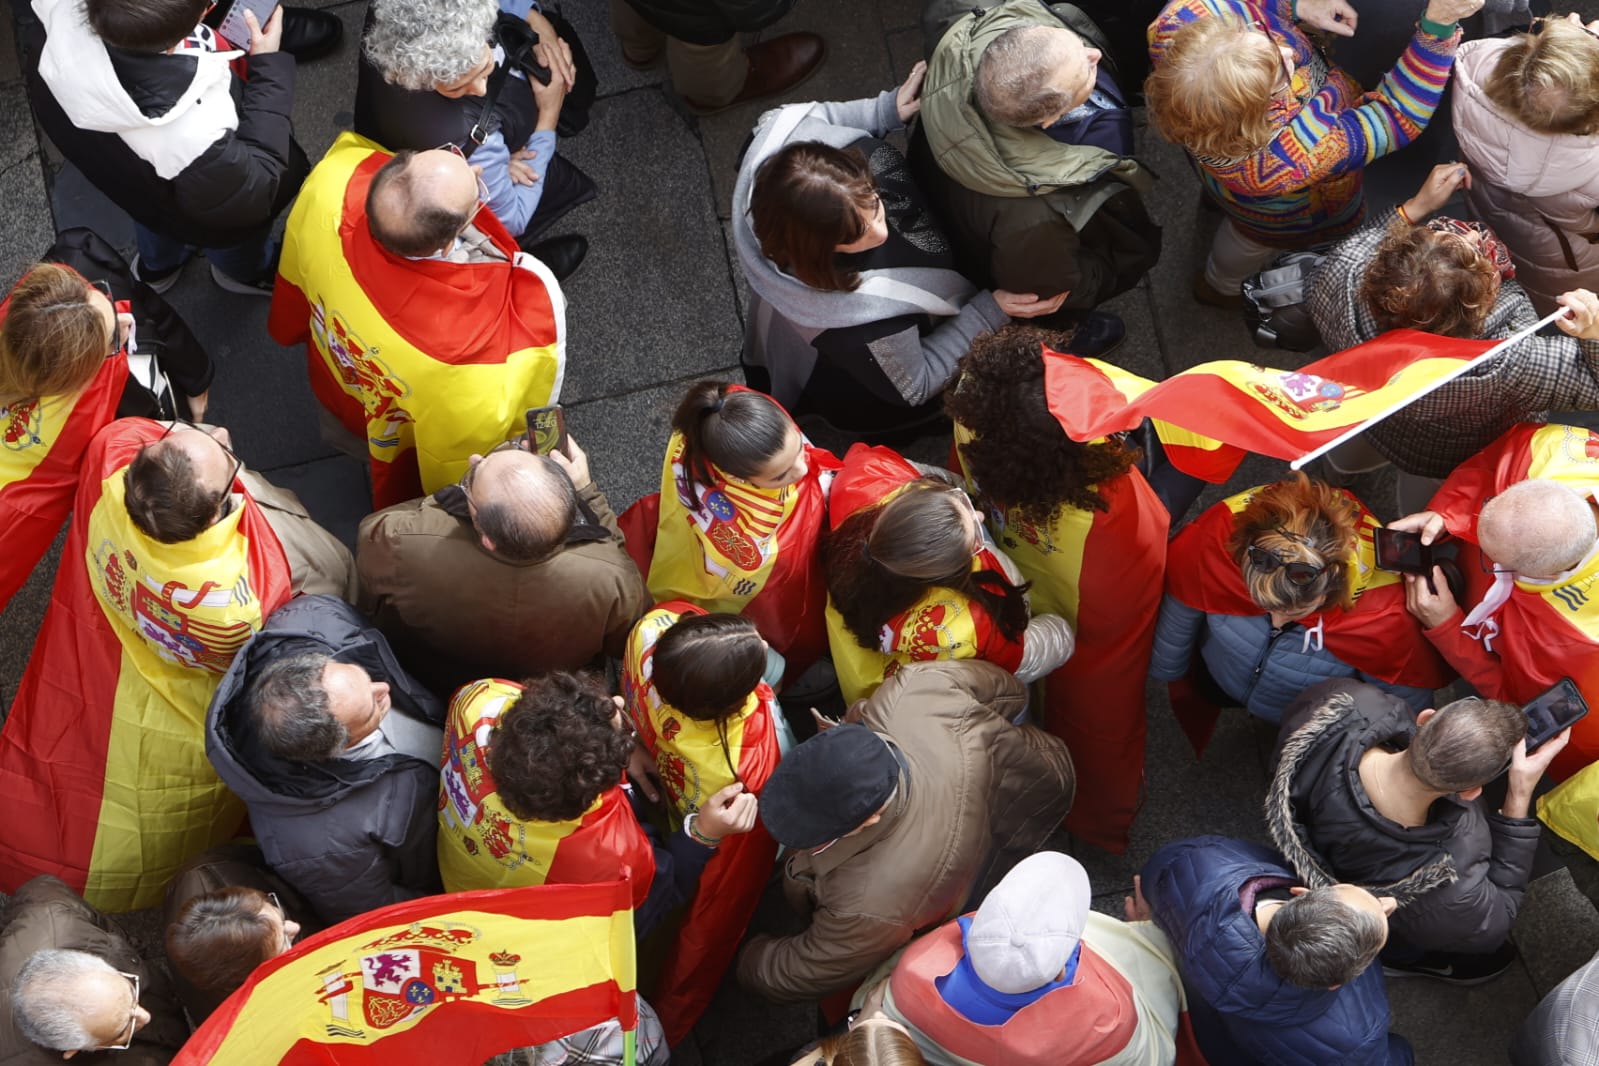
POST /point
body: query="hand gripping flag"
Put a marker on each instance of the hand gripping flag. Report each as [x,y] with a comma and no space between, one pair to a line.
[1230,406]
[427,360]
[446,979]
[42,441]
[102,758]
[696,760]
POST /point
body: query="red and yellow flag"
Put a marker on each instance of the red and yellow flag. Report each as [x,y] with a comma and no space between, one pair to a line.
[696,760]
[102,759]
[428,360]
[42,442]
[447,979]
[1231,406]
[483,845]
[943,624]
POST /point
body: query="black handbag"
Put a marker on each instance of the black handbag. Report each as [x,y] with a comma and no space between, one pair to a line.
[518,38]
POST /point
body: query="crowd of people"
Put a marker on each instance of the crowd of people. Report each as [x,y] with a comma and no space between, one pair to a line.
[888,682]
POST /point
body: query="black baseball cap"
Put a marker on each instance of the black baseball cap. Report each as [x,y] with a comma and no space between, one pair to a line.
[827,786]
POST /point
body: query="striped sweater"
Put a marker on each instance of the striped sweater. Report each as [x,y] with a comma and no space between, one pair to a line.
[1305,185]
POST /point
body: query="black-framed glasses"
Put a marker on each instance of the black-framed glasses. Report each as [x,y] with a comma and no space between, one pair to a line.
[127,1038]
[225,504]
[119,332]
[471,468]
[482,186]
[1299,573]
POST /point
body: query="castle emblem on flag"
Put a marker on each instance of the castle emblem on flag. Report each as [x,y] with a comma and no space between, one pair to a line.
[363,375]
[23,422]
[168,616]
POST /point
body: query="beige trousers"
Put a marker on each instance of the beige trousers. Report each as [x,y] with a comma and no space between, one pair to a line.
[707,74]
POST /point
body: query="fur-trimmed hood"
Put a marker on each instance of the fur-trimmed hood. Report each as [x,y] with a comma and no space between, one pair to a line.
[1318,813]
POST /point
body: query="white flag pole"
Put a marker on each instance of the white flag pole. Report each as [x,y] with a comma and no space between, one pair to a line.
[1355,431]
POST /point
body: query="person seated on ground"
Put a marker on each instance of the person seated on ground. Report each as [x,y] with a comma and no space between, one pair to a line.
[442,72]
[1276,588]
[857,312]
[1453,278]
[175,555]
[334,749]
[144,100]
[1025,148]
[1088,533]
[880,846]
[709,66]
[59,386]
[1034,976]
[429,334]
[736,524]
[1527,501]
[1281,137]
[1366,791]
[1275,971]
[698,690]
[1560,1030]
[517,570]
[1526,111]
[532,795]
[72,984]
[224,914]
[913,575]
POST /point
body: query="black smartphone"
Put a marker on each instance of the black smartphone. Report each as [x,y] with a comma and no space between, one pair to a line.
[1552,711]
[1402,552]
[233,26]
[546,429]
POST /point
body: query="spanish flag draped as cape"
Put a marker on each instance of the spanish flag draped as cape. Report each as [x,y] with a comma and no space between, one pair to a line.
[429,361]
[1375,631]
[102,760]
[941,625]
[696,760]
[741,549]
[445,979]
[1101,571]
[483,845]
[1544,630]
[41,450]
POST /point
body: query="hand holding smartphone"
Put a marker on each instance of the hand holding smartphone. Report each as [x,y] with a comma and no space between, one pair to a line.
[546,429]
[1552,711]
[233,26]
[1402,552]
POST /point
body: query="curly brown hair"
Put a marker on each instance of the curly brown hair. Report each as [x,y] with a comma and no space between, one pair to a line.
[1420,278]
[555,749]
[1298,521]
[883,558]
[1020,455]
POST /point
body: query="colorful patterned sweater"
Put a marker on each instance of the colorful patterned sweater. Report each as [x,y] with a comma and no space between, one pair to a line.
[1306,184]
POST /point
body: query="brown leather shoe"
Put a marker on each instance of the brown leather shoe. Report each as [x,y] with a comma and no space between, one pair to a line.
[776,66]
[1209,295]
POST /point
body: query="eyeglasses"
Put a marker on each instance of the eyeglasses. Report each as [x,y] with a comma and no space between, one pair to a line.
[127,1038]
[482,187]
[225,504]
[119,332]
[1285,70]
[1265,560]
[472,468]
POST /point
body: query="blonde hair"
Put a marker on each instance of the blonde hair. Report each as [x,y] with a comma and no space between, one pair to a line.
[1299,521]
[52,340]
[871,1045]
[1210,94]
[1549,80]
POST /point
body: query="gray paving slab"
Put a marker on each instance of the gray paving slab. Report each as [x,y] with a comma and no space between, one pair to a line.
[591,19]
[1556,930]
[1447,1024]
[324,90]
[899,14]
[10,59]
[904,49]
[16,124]
[654,300]
[25,224]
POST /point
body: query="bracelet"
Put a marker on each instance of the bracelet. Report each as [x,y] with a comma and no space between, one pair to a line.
[1441,30]
[693,832]
[1401,209]
[1293,10]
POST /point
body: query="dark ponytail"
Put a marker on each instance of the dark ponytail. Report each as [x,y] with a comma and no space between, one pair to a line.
[737,430]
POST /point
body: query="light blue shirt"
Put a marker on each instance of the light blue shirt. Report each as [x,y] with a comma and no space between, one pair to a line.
[511,203]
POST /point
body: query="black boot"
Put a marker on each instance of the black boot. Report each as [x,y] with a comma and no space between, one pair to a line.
[1097,335]
[561,254]
[309,34]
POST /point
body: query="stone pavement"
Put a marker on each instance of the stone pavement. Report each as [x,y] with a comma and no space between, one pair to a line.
[659,304]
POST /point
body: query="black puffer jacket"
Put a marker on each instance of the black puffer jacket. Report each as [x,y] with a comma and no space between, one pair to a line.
[1458,879]
[710,21]
[349,835]
[179,143]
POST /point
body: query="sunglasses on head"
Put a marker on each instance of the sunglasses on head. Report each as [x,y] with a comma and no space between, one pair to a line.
[1265,560]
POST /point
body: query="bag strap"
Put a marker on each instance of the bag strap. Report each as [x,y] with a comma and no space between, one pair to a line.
[518,53]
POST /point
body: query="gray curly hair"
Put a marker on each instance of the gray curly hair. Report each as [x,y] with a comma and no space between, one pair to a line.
[421,44]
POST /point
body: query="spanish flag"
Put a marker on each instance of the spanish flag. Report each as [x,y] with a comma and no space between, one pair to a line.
[41,449]
[446,979]
[697,760]
[481,844]
[1282,413]
[428,360]
[102,759]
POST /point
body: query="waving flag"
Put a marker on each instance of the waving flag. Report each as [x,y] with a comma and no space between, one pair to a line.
[697,760]
[1281,413]
[428,360]
[446,979]
[102,759]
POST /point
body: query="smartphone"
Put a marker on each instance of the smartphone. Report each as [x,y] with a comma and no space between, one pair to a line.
[1402,552]
[1552,711]
[546,429]
[233,26]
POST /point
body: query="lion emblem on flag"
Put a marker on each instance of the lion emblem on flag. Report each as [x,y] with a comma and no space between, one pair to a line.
[24,423]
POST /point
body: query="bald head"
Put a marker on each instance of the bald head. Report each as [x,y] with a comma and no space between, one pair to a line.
[523,505]
[1538,528]
[1033,75]
[419,201]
